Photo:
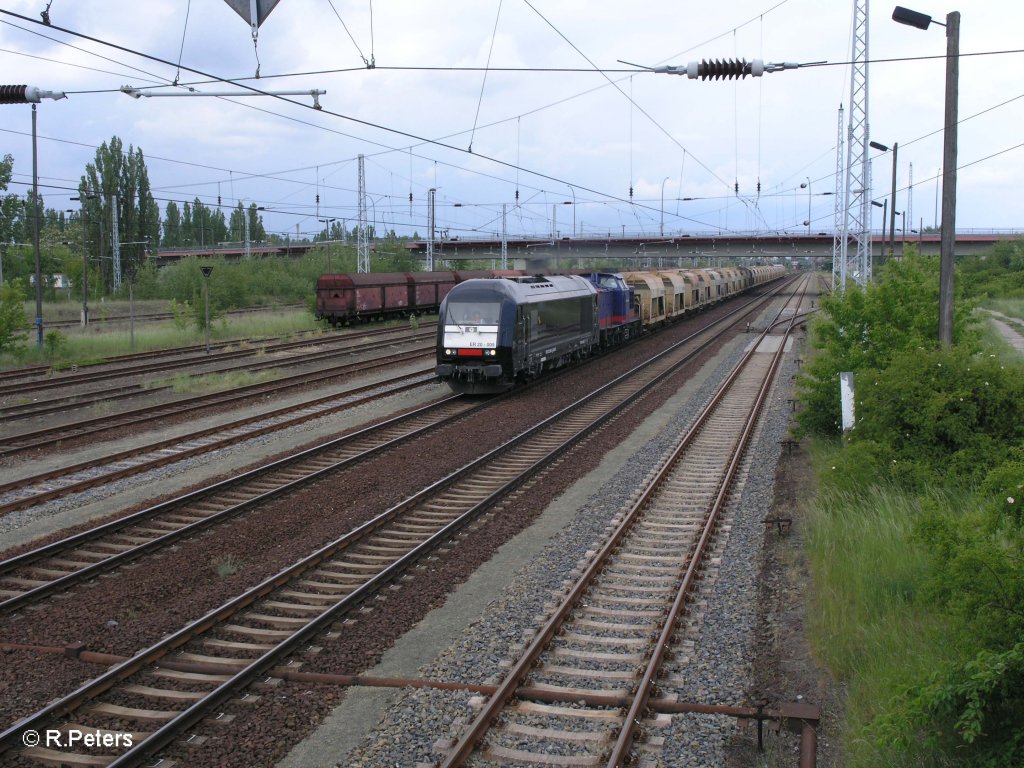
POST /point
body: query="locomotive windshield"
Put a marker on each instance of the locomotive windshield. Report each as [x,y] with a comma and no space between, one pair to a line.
[473,313]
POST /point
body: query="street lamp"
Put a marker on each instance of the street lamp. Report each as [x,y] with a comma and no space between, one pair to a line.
[327,236]
[885,207]
[892,195]
[948,231]
[663,206]
[573,191]
[28,94]
[903,230]
[807,185]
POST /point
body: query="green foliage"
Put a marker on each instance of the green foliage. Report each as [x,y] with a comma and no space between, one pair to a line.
[54,343]
[865,329]
[943,416]
[13,320]
[227,565]
[930,423]
[973,709]
[996,274]
[119,177]
[182,313]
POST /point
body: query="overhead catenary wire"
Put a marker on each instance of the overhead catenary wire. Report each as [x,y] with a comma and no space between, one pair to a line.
[367,62]
[386,150]
[332,113]
[181,48]
[483,84]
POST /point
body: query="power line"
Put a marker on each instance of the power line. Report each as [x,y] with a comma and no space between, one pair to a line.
[339,115]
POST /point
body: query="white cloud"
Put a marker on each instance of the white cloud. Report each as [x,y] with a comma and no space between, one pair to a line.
[780,129]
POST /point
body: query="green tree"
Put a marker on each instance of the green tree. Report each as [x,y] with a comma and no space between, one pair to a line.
[119,178]
[172,226]
[13,320]
[865,329]
[237,225]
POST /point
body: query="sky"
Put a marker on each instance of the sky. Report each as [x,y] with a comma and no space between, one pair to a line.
[594,151]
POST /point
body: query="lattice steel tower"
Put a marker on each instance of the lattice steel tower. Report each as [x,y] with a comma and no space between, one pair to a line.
[855,244]
[362,229]
[839,230]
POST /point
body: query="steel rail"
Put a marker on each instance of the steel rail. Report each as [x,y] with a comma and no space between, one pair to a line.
[15,442]
[622,749]
[167,733]
[172,729]
[517,675]
[83,399]
[275,342]
[97,425]
[175,506]
[239,430]
[88,376]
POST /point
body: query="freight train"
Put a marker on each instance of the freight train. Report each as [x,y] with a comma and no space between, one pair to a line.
[495,332]
[342,299]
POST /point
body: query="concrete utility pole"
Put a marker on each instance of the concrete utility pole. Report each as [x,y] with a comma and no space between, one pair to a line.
[948,236]
[115,239]
[892,207]
[948,243]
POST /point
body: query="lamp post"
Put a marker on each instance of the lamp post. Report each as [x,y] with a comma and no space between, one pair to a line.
[27,94]
[903,230]
[207,271]
[663,206]
[569,202]
[573,191]
[948,231]
[327,236]
[807,184]
[892,195]
[885,207]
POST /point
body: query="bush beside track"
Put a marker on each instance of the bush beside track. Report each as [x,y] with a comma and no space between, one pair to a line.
[917,530]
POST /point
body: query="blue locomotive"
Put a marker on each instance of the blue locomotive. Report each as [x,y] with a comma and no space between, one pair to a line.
[492,333]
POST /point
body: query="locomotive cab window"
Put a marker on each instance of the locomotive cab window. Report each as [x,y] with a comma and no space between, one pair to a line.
[473,313]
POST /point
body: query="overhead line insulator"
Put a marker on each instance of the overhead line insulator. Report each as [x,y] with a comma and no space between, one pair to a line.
[725,69]
[26,94]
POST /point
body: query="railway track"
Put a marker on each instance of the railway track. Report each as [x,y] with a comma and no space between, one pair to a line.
[228,649]
[28,373]
[42,572]
[36,489]
[151,317]
[178,360]
[53,436]
[600,658]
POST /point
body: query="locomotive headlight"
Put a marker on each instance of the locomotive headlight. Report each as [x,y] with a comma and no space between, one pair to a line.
[492,352]
[448,352]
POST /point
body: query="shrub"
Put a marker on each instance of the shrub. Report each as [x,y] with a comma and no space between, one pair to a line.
[53,343]
[863,330]
[13,320]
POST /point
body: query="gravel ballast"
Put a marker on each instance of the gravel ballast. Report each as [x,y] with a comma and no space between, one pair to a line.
[718,669]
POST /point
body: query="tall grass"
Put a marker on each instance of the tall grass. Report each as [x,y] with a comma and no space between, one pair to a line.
[102,341]
[866,623]
[1007,306]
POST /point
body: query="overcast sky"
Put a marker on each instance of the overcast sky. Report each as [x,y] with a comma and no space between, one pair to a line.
[554,137]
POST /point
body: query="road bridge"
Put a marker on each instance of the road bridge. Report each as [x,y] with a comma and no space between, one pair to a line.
[700,249]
